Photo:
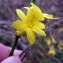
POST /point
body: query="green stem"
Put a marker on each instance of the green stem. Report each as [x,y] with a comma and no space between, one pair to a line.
[33,1]
[24,50]
[53,24]
[14,45]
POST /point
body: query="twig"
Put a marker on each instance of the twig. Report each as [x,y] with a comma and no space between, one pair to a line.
[54,24]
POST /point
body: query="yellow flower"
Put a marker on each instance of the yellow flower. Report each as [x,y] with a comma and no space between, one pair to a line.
[53,39]
[48,41]
[30,23]
[60,46]
[51,51]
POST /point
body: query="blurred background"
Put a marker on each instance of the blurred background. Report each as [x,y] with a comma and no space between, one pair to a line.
[47,49]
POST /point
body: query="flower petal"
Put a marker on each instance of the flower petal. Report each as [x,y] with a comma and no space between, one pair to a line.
[21,14]
[52,51]
[30,14]
[30,35]
[49,16]
[39,31]
[39,25]
[38,12]
[19,25]
[36,15]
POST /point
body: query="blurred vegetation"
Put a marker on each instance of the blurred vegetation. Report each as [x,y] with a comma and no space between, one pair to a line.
[39,52]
